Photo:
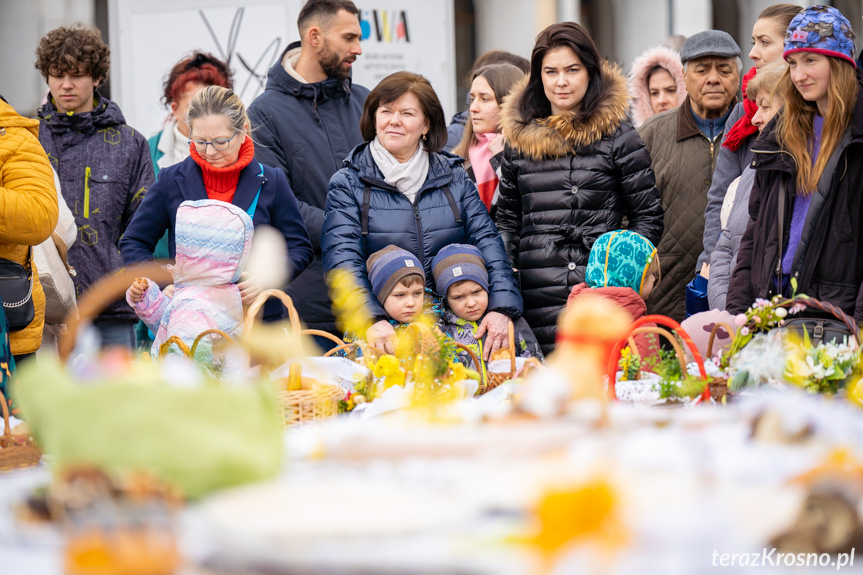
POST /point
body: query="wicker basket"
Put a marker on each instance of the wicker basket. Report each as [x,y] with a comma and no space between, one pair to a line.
[306,406]
[638,326]
[827,308]
[301,406]
[495,379]
[15,452]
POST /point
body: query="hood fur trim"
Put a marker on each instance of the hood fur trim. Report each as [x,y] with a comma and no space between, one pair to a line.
[659,56]
[558,136]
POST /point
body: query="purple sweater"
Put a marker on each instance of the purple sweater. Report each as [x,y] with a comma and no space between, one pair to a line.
[801,204]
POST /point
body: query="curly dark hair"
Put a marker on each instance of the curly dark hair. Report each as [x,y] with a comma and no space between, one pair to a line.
[199,67]
[69,48]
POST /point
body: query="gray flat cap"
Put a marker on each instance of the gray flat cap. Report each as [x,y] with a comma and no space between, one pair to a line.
[709,43]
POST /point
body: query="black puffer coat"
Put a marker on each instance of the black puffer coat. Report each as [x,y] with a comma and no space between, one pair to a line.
[562,186]
[447,210]
[828,264]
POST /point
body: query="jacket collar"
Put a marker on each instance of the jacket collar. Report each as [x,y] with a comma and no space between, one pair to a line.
[441,165]
[686,126]
[559,136]
[190,181]
[105,113]
[279,79]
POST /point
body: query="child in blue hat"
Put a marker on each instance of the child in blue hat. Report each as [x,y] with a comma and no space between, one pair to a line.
[460,276]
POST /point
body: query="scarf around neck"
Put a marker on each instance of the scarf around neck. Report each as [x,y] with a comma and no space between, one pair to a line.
[480,161]
[743,127]
[406,177]
[221,183]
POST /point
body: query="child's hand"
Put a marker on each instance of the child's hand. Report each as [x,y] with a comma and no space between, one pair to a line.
[139,287]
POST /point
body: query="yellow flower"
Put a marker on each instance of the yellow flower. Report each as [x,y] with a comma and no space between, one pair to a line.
[569,517]
[855,392]
[349,303]
[388,367]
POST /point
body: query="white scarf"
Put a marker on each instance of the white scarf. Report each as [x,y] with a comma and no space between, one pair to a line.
[408,177]
[173,144]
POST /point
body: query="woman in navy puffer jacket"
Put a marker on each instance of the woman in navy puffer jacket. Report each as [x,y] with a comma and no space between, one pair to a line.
[397,190]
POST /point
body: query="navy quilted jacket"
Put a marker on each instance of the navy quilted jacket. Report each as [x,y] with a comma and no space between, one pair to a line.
[422,228]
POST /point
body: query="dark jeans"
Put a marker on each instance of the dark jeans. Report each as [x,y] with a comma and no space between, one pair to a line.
[116,332]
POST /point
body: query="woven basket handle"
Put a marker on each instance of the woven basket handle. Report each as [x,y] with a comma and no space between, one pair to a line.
[101,294]
[510,328]
[475,359]
[720,324]
[681,356]
[369,351]
[826,307]
[166,345]
[7,428]
[324,334]
[202,335]
[611,370]
[258,304]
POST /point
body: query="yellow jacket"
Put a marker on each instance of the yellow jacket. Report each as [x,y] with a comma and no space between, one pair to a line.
[28,208]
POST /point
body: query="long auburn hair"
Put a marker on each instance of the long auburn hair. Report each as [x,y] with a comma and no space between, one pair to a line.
[501,78]
[534,104]
[794,125]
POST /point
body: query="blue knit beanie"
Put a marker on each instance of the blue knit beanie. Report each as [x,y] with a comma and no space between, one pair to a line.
[457,262]
[389,265]
[619,259]
[823,30]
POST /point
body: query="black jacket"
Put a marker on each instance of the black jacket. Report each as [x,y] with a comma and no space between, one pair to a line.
[828,264]
[423,228]
[307,130]
[564,184]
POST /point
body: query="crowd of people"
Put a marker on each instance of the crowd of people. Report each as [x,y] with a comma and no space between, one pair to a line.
[672,189]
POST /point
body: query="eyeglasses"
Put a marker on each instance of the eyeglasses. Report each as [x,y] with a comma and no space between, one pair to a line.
[220,144]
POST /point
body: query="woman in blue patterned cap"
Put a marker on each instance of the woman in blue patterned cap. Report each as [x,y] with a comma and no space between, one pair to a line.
[806,208]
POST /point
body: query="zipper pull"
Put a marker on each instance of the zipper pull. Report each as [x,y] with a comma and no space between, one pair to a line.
[87,192]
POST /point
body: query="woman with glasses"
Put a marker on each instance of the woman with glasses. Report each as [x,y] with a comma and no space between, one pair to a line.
[221,166]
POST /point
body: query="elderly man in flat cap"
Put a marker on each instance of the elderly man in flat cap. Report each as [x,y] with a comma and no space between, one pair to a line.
[683,144]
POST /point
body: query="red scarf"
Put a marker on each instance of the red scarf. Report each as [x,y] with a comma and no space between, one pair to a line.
[743,127]
[480,161]
[221,183]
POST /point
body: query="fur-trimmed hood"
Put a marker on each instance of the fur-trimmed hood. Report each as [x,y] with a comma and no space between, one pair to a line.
[658,56]
[557,136]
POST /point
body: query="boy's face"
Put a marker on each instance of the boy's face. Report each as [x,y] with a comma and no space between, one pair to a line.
[468,300]
[72,91]
[404,304]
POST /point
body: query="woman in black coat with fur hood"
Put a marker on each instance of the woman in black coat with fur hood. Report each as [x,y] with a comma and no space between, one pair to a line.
[573,168]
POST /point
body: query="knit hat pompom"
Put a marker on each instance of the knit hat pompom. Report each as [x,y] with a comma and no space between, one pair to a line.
[457,262]
[388,266]
[619,259]
[823,30]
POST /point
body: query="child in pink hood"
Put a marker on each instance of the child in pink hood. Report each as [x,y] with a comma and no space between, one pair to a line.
[213,240]
[622,266]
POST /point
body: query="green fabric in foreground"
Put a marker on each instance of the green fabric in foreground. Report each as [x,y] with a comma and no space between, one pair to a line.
[203,439]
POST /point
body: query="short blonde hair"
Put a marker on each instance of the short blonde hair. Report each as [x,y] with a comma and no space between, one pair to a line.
[219,101]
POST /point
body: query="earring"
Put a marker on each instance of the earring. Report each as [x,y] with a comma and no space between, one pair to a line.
[424,137]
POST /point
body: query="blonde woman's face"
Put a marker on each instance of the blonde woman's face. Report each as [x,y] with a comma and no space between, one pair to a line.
[767,108]
[210,128]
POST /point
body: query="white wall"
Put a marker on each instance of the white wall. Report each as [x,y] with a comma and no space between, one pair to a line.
[22,24]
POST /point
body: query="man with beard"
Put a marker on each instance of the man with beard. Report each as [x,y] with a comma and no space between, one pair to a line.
[306,122]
